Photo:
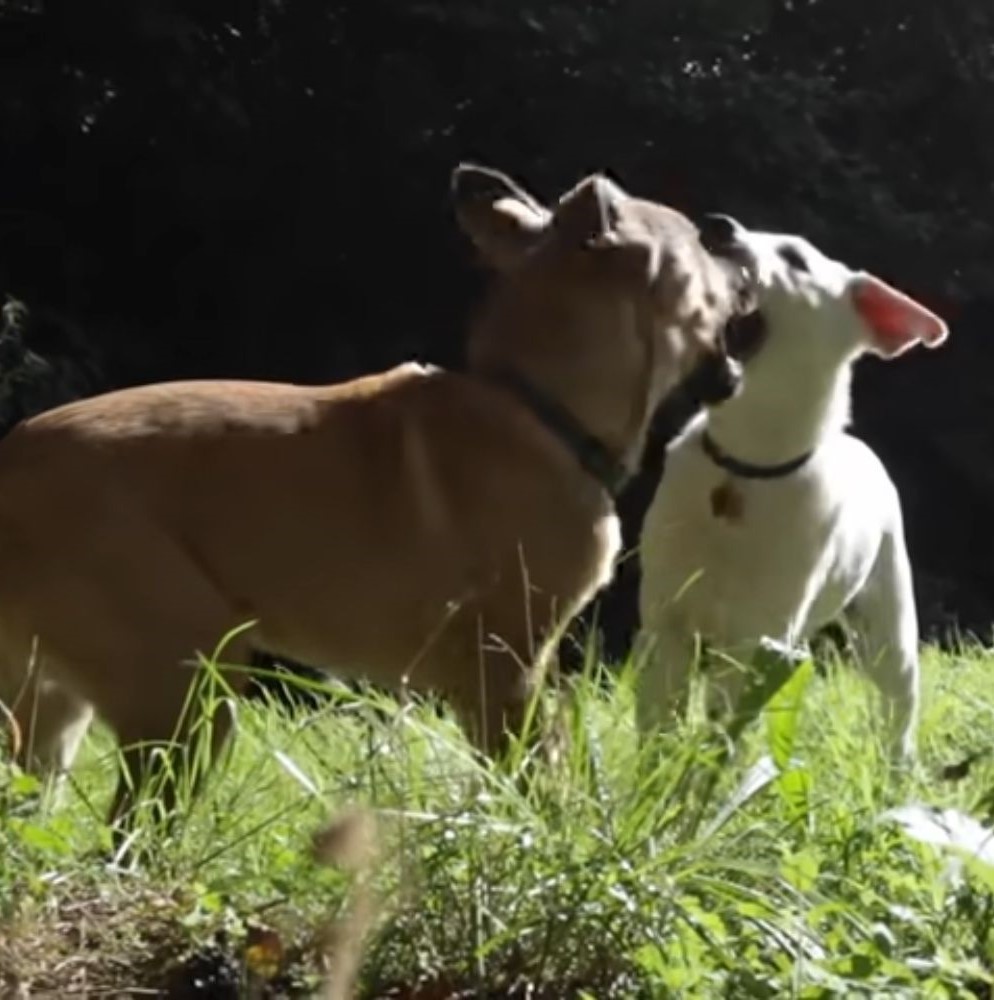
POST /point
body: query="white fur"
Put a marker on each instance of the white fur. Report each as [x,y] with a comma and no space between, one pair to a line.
[821,541]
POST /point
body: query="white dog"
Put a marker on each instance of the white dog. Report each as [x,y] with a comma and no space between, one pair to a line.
[770,520]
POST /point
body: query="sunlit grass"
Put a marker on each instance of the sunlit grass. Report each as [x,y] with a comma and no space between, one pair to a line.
[613,871]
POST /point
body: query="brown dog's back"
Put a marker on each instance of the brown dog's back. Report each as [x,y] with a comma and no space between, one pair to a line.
[407,504]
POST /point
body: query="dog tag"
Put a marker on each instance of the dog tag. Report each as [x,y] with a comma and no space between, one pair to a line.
[727,501]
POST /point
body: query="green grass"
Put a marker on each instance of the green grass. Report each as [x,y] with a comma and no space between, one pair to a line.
[610,874]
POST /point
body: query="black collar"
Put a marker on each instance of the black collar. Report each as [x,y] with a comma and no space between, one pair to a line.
[592,454]
[744,469]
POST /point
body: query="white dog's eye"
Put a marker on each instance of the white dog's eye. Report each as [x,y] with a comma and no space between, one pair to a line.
[793,258]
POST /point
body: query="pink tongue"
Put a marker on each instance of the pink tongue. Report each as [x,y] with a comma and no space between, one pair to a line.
[896,321]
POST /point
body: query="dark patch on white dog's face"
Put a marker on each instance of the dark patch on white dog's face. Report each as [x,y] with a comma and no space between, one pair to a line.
[746,332]
[783,268]
[792,256]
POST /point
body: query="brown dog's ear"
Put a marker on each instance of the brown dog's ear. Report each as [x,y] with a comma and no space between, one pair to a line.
[588,214]
[592,216]
[501,219]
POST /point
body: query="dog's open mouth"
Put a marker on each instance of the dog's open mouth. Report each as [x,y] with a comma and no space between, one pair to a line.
[745,336]
[715,378]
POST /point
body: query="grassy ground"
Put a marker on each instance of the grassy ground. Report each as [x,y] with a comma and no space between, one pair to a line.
[612,874]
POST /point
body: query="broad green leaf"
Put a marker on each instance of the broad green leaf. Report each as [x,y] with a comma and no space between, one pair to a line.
[40,838]
[783,711]
[794,786]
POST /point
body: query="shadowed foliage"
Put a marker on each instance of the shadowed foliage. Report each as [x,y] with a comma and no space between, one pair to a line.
[260,189]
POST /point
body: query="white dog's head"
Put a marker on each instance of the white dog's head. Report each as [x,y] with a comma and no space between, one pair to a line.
[817,309]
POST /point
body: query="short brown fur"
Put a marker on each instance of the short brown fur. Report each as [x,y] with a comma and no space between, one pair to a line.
[379,527]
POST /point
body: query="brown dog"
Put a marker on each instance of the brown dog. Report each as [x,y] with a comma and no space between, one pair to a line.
[415,525]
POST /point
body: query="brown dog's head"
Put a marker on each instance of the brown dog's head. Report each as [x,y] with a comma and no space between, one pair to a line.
[605,301]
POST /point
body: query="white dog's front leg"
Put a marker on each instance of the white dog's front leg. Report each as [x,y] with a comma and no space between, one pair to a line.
[730,672]
[667,652]
[886,624]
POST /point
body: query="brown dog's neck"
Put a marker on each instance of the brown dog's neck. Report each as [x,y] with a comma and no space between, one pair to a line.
[561,352]
[593,455]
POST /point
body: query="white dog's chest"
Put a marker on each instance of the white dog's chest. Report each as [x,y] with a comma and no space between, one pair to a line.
[782,558]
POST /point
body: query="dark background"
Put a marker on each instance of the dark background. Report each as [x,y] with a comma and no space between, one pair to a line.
[223,188]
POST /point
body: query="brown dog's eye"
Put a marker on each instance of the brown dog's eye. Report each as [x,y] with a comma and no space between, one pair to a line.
[793,258]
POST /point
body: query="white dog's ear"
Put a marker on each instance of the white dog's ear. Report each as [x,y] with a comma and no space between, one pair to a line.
[896,321]
[501,218]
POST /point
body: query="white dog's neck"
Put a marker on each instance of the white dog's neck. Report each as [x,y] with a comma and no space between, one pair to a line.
[776,419]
